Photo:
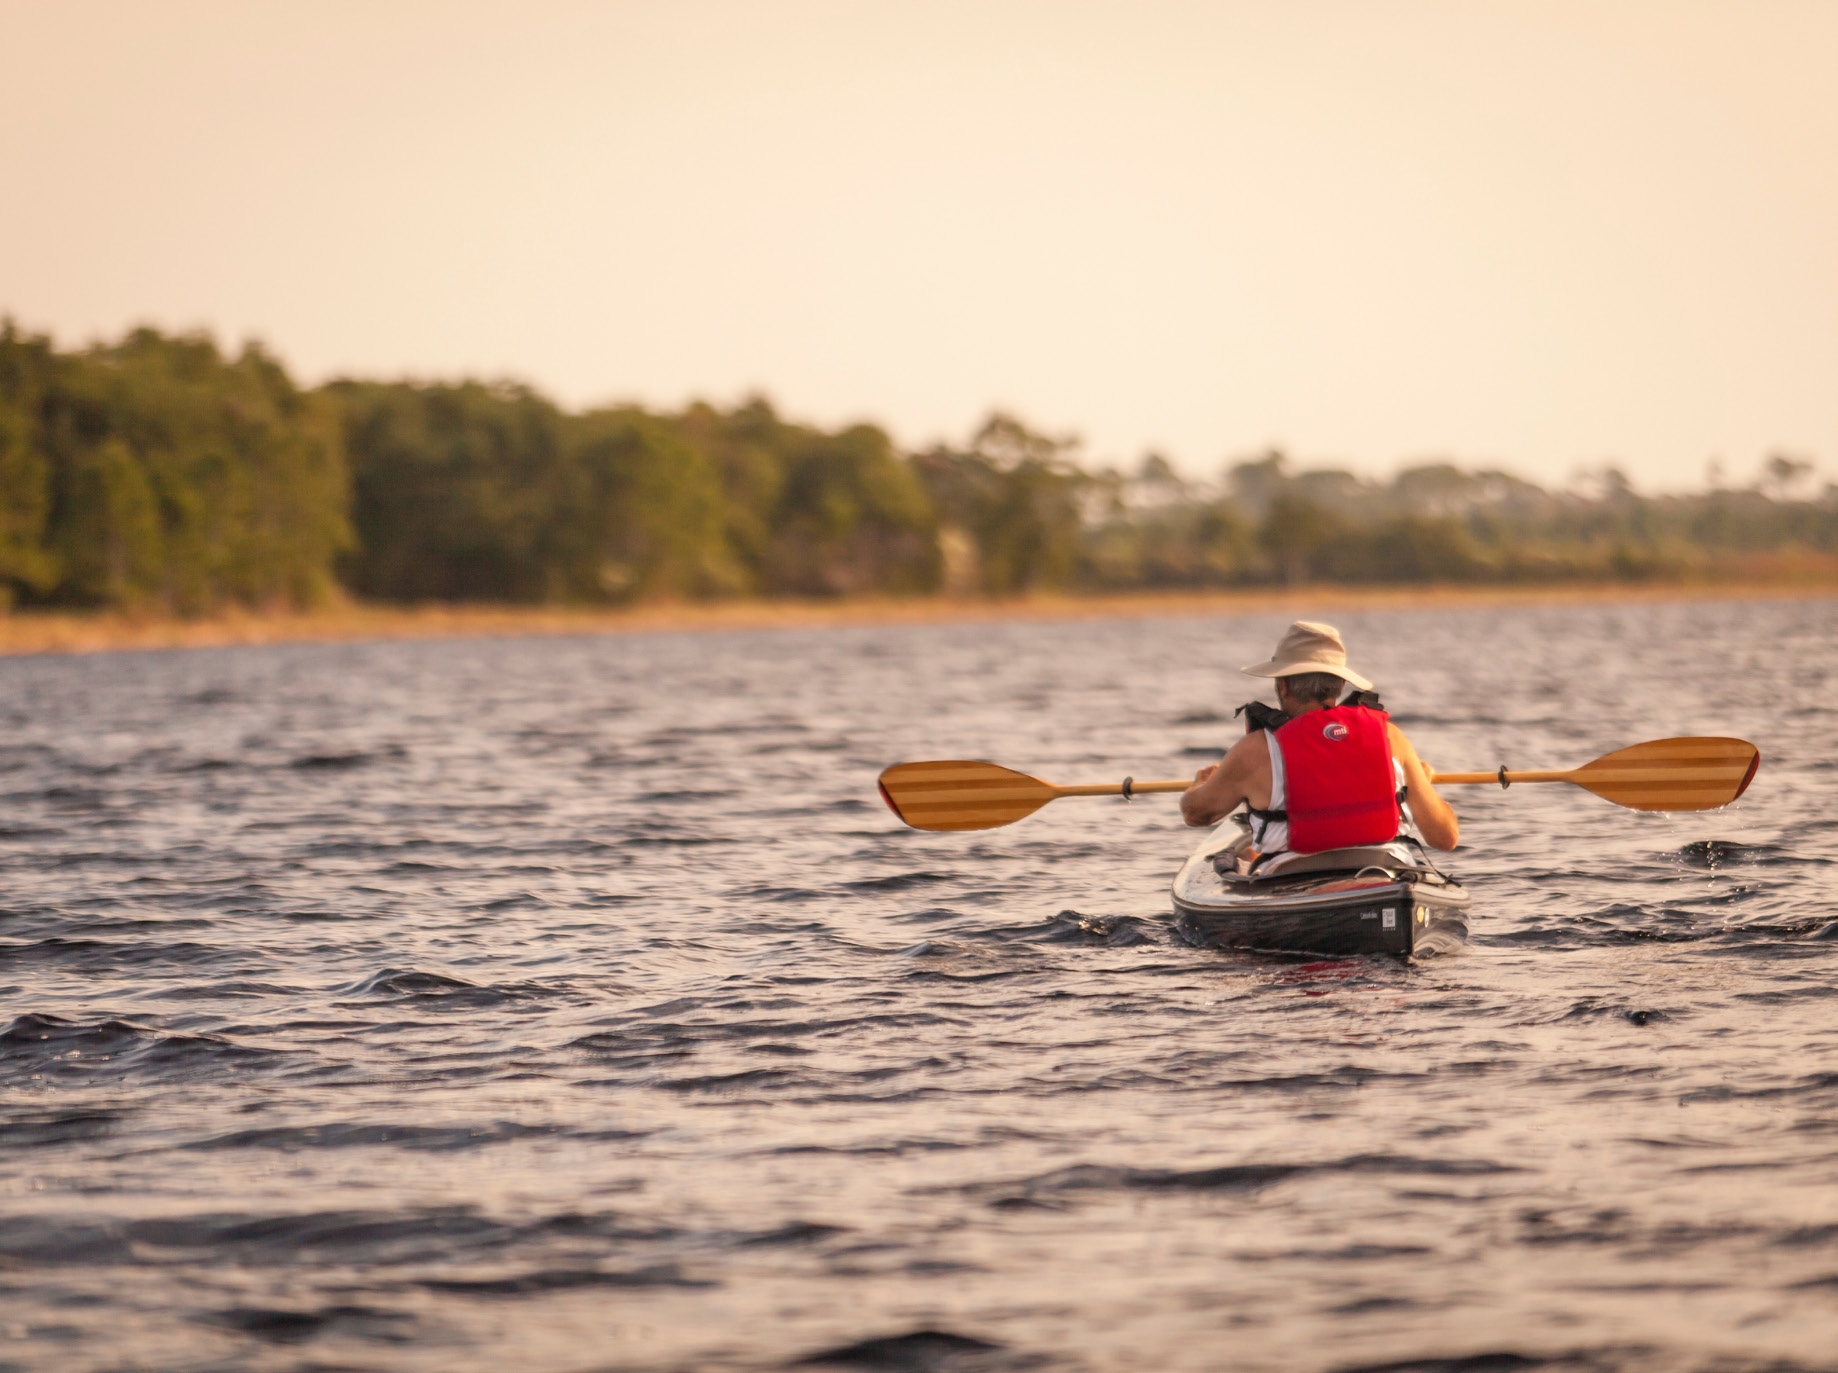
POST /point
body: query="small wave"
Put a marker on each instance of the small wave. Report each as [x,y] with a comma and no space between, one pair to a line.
[93,858]
[14,757]
[49,1046]
[918,1351]
[1593,1008]
[614,758]
[564,1279]
[1071,927]
[1347,1076]
[1807,1236]
[441,1235]
[794,1232]
[924,974]
[1238,1177]
[437,989]
[366,848]
[209,696]
[76,798]
[1626,923]
[893,1148]
[933,915]
[293,1138]
[406,982]
[899,881]
[929,948]
[1346,1253]
[29,1129]
[1623,922]
[97,955]
[727,1082]
[1496,1361]
[1727,853]
[649,833]
[516,901]
[797,895]
[328,762]
[660,1039]
[278,1326]
[1813,1084]
[1085,1177]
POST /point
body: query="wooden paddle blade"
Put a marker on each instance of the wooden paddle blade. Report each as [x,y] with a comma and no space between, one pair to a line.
[1673,774]
[962,795]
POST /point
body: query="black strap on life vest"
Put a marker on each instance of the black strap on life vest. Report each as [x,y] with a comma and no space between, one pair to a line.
[1260,716]
[1269,719]
[1270,817]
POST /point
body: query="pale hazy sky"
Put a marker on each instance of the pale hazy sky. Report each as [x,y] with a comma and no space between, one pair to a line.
[1540,234]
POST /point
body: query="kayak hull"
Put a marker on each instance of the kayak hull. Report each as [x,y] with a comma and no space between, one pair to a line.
[1356,901]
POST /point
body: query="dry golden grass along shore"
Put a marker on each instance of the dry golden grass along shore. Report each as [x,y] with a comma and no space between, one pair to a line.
[38,632]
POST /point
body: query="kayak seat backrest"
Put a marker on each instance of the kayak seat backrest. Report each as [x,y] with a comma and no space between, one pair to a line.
[1329,860]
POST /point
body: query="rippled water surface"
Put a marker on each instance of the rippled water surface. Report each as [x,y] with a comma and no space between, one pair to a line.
[573,1004]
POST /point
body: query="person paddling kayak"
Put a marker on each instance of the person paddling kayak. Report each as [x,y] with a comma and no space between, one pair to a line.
[1324,773]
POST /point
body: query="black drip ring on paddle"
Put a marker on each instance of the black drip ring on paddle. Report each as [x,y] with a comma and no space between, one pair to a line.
[1504,783]
[1127,782]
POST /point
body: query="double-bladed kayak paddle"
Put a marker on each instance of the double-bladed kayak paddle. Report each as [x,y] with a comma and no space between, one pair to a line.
[1662,774]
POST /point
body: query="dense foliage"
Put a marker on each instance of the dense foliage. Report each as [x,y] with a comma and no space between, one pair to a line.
[160,473]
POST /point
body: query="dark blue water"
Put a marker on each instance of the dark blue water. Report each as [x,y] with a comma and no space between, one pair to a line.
[574,1004]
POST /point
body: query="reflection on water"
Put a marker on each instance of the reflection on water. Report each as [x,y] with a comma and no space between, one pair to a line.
[575,1003]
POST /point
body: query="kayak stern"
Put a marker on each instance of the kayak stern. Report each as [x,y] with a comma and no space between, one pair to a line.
[1356,901]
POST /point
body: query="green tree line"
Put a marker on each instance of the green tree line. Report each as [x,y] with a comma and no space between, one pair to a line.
[161,473]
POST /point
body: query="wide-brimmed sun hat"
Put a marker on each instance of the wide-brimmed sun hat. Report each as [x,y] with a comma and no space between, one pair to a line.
[1309,647]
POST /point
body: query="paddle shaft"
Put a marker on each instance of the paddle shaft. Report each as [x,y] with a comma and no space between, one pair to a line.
[1116,788]
[1503,777]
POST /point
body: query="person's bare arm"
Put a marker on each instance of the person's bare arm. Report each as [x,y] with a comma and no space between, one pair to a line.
[1436,822]
[1218,790]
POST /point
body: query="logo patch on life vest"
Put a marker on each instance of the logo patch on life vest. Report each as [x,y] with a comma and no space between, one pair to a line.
[1334,731]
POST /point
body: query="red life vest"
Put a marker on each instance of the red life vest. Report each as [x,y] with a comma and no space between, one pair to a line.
[1340,788]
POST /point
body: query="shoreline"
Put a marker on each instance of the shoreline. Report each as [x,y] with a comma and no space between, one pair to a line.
[33,633]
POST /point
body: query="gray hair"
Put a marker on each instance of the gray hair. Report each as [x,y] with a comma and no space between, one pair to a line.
[1314,688]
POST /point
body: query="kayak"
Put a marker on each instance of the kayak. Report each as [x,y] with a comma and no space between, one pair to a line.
[1380,899]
